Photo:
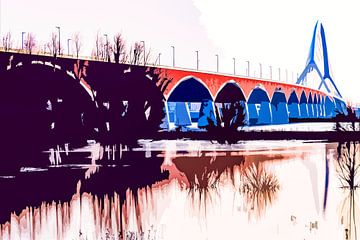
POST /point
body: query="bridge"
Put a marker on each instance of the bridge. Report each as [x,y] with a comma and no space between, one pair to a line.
[264,101]
[189,99]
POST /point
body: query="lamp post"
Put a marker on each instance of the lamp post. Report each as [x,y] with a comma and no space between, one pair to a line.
[22,40]
[173,52]
[270,72]
[106,50]
[157,59]
[143,42]
[260,70]
[197,60]
[68,45]
[217,62]
[59,38]
[234,65]
[279,75]
[248,68]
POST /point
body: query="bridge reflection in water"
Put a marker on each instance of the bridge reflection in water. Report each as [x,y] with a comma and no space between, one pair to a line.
[188,190]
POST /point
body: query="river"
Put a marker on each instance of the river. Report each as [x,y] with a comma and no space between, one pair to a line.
[186,189]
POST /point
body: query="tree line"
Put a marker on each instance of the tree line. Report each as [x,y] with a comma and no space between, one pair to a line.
[110,50]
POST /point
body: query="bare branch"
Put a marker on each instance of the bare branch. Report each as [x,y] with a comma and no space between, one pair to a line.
[118,47]
[7,41]
[77,43]
[30,43]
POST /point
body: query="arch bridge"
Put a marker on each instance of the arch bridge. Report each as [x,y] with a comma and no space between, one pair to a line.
[195,98]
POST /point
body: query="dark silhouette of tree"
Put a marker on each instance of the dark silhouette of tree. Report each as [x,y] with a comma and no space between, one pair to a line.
[77,43]
[137,54]
[226,126]
[349,122]
[348,171]
[118,47]
[7,41]
[30,43]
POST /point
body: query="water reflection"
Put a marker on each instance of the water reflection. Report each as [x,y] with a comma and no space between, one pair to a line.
[168,191]
[203,175]
[259,188]
[348,172]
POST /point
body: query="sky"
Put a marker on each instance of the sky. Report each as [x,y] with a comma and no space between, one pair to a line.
[273,33]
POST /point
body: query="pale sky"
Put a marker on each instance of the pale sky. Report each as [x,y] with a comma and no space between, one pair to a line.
[276,33]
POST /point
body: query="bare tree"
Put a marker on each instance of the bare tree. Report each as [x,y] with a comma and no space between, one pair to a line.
[77,43]
[118,47]
[98,51]
[30,43]
[53,45]
[137,54]
[7,41]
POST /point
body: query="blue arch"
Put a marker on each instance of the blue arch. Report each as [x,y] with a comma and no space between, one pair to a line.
[230,93]
[316,106]
[322,106]
[293,105]
[190,104]
[329,108]
[340,106]
[310,106]
[303,106]
[190,90]
[279,109]
[259,107]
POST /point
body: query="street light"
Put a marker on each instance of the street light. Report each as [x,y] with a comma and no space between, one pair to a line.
[217,62]
[157,59]
[234,65]
[197,60]
[143,42]
[248,68]
[22,40]
[59,38]
[106,51]
[260,70]
[270,72]
[173,55]
[68,45]
[279,75]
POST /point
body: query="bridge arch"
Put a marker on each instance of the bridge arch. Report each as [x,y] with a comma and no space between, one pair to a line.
[340,106]
[229,94]
[329,107]
[279,108]
[259,106]
[310,105]
[293,105]
[230,91]
[303,105]
[190,104]
[316,106]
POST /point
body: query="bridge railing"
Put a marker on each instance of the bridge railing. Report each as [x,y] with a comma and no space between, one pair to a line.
[103,59]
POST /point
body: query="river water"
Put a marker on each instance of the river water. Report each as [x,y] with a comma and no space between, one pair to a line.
[185,189]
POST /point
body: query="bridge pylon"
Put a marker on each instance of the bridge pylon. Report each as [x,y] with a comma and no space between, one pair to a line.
[318,61]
